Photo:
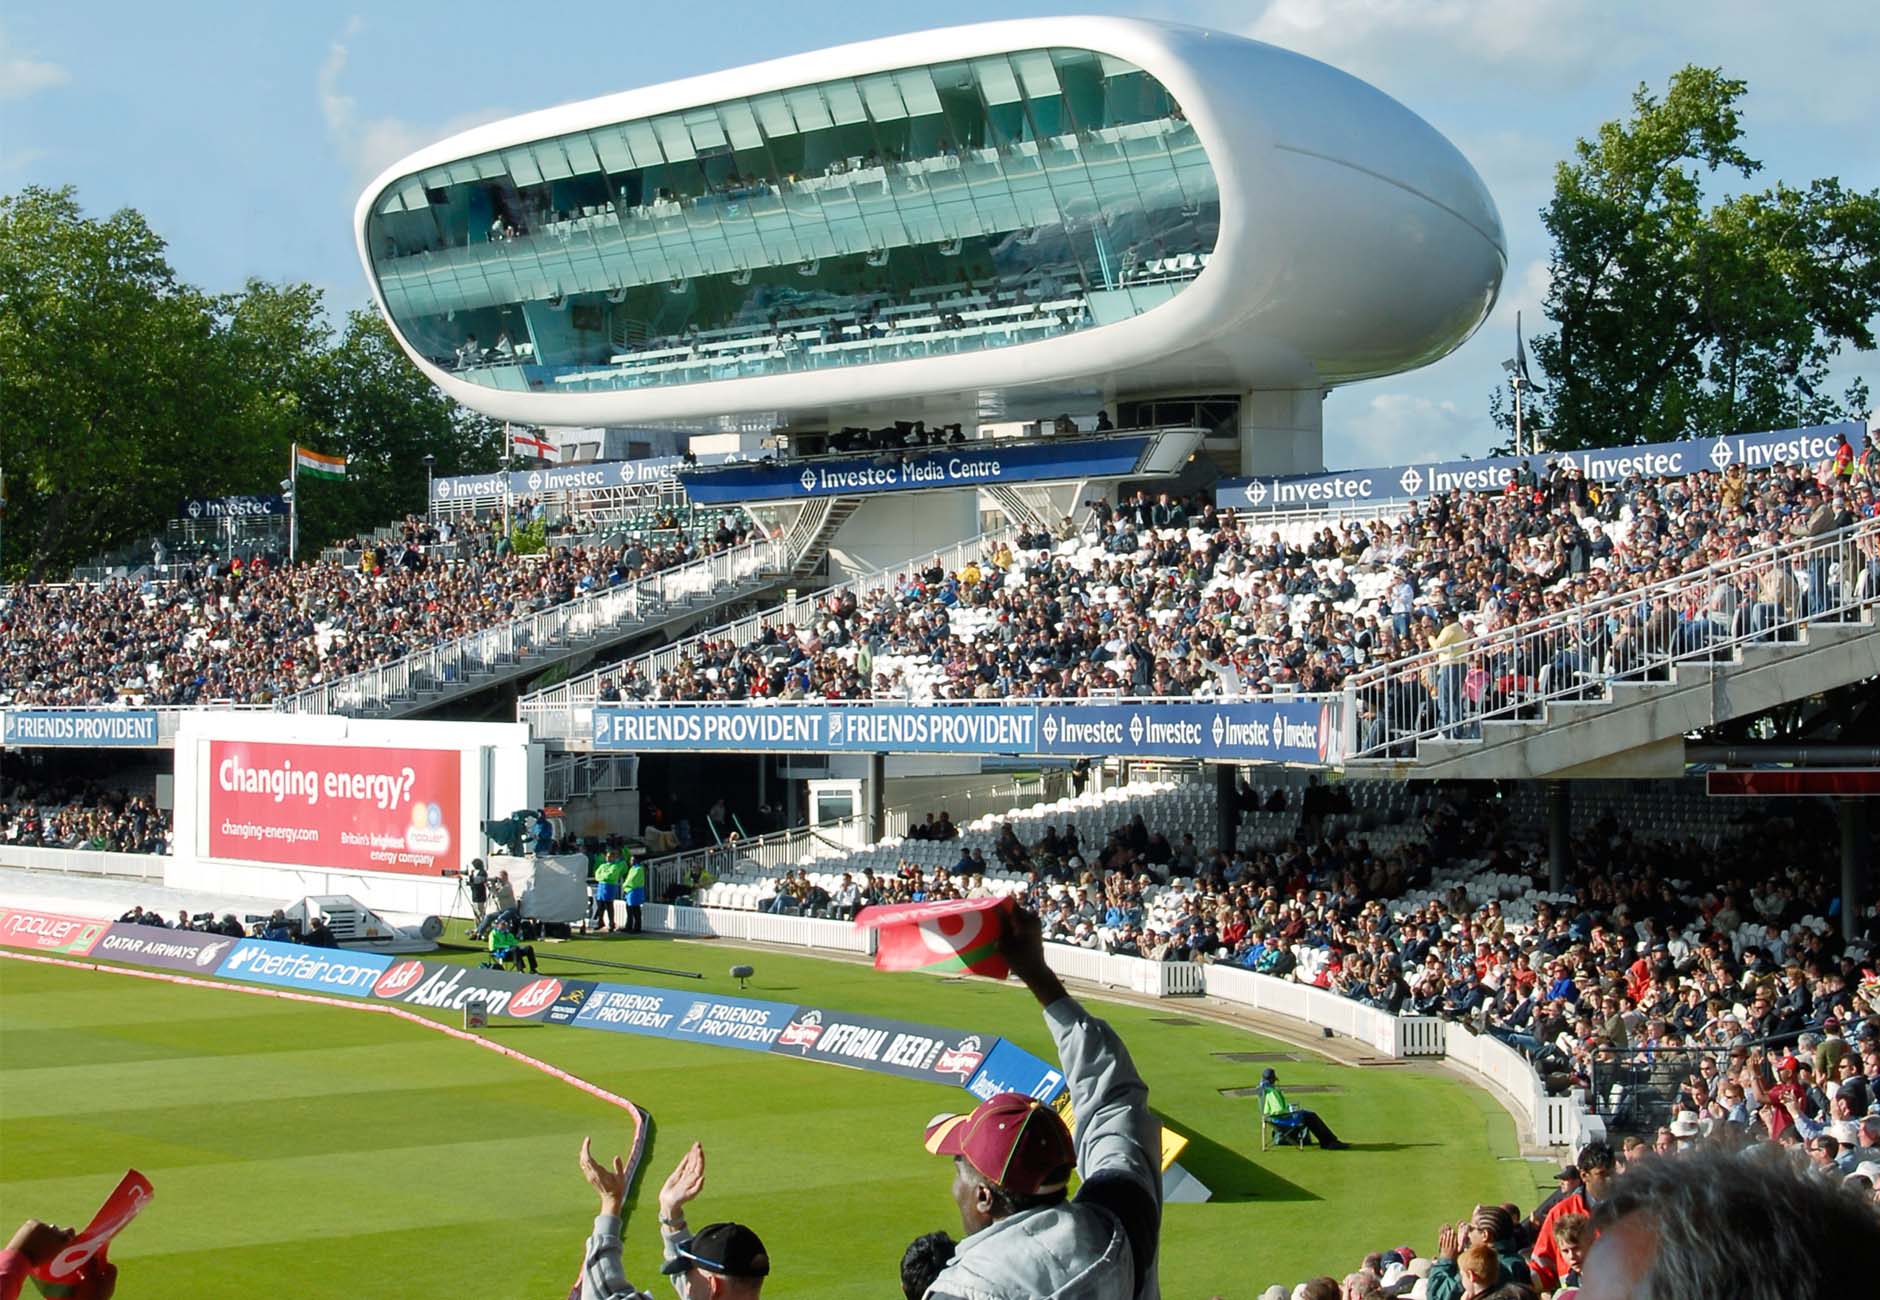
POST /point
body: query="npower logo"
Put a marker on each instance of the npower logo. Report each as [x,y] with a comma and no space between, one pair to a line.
[74,934]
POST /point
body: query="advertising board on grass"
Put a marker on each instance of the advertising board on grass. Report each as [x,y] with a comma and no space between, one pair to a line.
[317,970]
[149,945]
[912,1051]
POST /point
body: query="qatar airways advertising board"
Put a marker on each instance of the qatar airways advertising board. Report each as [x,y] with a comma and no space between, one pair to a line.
[339,807]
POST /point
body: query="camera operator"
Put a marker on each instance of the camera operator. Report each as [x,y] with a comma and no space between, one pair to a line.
[476,879]
[502,898]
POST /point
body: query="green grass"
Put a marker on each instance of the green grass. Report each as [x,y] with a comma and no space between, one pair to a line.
[322,1152]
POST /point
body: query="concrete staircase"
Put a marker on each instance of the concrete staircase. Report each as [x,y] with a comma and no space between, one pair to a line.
[1637,728]
[816,530]
[560,634]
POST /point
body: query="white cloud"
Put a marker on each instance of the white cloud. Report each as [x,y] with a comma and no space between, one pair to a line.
[1403,44]
[371,144]
[22,75]
[1398,428]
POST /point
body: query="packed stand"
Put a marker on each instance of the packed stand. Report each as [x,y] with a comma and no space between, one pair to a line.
[1170,597]
[83,817]
[251,631]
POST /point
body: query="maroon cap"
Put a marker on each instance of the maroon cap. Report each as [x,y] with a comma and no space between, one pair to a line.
[1015,1141]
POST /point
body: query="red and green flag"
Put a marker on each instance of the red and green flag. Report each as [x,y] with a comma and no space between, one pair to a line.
[960,934]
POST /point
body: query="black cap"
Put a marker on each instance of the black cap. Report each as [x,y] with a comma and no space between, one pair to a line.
[728,1248]
[1268,1075]
[1567,1171]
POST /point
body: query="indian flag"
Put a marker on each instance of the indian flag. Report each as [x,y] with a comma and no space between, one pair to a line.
[315,465]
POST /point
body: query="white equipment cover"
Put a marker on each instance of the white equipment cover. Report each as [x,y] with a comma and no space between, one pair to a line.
[547,889]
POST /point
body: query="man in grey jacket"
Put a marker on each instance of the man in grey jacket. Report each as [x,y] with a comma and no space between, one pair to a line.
[1013,1159]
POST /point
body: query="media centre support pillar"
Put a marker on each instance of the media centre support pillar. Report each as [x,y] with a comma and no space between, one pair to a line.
[873,794]
[1226,806]
[1856,847]
[1559,834]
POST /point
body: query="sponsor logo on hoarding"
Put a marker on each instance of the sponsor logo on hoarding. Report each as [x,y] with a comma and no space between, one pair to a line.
[802,1031]
[961,1060]
[80,728]
[147,945]
[890,1046]
[627,1010]
[324,970]
[535,998]
[574,996]
[734,1022]
[398,979]
[1010,1068]
[49,932]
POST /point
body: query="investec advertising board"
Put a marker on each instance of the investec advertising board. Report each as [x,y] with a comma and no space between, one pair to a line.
[1651,460]
[564,478]
[1249,731]
[79,728]
[342,807]
[977,464]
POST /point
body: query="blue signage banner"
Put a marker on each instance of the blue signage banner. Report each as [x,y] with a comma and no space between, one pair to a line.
[1269,731]
[973,464]
[625,1009]
[564,478]
[233,507]
[1492,474]
[1010,1068]
[732,1022]
[318,970]
[79,728]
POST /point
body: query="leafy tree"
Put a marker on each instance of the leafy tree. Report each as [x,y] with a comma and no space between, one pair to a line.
[125,391]
[1675,316]
[385,417]
[108,405]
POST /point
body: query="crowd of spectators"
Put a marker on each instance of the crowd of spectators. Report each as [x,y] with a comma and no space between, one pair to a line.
[1171,597]
[251,630]
[83,817]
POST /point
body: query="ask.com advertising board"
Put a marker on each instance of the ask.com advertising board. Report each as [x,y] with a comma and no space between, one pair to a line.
[335,807]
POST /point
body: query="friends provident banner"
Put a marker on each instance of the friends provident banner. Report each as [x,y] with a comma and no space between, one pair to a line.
[340,807]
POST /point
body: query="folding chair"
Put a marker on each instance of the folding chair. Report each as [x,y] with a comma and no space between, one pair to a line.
[1285,1128]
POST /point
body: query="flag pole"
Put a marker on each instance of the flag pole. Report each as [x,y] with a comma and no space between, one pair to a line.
[293,502]
[509,450]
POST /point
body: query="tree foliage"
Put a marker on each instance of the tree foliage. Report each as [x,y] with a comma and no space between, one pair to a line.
[1677,316]
[125,391]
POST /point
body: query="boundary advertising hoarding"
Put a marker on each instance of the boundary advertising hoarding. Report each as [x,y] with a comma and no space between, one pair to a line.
[1493,473]
[1254,731]
[339,807]
[959,465]
[884,1046]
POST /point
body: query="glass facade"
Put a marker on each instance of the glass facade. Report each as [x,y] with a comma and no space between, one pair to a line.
[919,212]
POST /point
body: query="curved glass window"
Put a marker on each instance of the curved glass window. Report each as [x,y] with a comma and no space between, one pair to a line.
[912,213]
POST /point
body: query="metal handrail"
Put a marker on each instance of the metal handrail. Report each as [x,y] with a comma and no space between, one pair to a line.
[585,690]
[1634,635]
[455,660]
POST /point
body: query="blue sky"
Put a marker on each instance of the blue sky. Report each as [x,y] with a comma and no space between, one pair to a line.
[245,131]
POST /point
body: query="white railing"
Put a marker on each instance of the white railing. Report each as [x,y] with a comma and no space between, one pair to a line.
[1632,636]
[1555,1121]
[457,660]
[761,927]
[84,862]
[565,698]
